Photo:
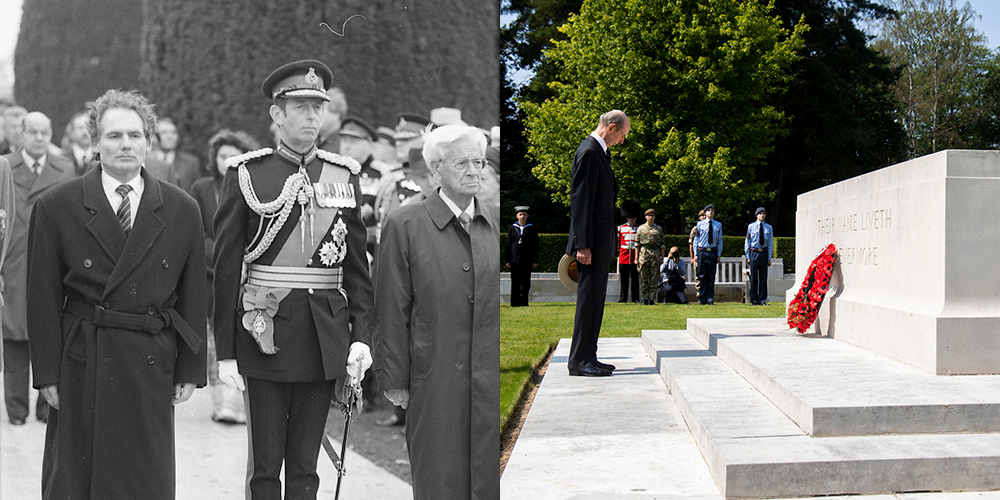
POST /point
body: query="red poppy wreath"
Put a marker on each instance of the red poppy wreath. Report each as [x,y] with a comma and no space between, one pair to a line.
[804,307]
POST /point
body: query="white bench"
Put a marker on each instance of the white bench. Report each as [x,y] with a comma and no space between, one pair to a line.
[730,272]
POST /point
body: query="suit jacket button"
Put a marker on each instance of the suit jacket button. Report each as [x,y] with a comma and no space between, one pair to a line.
[150,360]
[465,267]
[165,265]
[151,311]
[87,263]
[472,299]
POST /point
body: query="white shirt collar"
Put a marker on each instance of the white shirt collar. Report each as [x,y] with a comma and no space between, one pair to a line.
[600,141]
[80,153]
[110,184]
[471,209]
[32,163]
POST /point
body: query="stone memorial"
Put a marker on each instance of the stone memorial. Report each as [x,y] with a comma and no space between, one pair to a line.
[914,278]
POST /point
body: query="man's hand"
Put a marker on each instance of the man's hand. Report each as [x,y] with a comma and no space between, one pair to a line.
[182,393]
[399,397]
[229,373]
[583,256]
[508,265]
[534,265]
[359,359]
[51,395]
[768,262]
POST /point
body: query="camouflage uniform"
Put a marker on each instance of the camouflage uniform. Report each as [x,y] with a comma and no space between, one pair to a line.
[651,248]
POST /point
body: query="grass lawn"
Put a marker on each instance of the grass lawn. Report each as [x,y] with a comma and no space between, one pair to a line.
[527,333]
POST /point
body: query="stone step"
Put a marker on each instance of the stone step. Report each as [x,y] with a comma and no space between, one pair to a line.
[830,388]
[754,450]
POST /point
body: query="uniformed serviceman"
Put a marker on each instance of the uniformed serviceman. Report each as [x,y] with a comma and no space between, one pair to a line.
[299,327]
[708,243]
[758,247]
[521,253]
[651,248]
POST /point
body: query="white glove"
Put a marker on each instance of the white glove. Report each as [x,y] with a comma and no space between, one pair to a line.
[230,374]
[359,359]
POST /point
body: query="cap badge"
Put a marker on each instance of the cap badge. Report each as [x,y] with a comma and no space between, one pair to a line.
[311,77]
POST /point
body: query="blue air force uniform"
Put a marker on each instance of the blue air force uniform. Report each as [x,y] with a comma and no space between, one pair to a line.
[708,244]
[758,249]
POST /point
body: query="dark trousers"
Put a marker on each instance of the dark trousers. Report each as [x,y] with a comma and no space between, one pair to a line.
[674,294]
[706,273]
[285,422]
[628,273]
[520,284]
[590,292]
[16,384]
[758,277]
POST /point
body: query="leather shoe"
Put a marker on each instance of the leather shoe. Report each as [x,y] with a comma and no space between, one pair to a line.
[589,371]
[605,366]
[17,421]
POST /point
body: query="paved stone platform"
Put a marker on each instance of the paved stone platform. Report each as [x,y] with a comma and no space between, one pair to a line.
[625,436]
[211,460]
[830,388]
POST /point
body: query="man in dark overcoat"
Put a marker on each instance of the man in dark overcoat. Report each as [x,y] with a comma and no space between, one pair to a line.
[116,315]
[592,238]
[34,171]
[297,330]
[438,333]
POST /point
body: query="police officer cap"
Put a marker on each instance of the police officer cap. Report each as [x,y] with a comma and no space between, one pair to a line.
[308,78]
[650,212]
[760,210]
[416,162]
[709,207]
[355,127]
[385,134]
[410,126]
[521,208]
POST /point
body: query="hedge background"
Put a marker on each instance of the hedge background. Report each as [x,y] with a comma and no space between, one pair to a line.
[553,246]
[202,63]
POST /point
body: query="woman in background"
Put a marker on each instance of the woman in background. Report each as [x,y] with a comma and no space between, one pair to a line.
[227,402]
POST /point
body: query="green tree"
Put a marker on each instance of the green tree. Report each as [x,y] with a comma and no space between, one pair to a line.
[841,106]
[694,77]
[942,57]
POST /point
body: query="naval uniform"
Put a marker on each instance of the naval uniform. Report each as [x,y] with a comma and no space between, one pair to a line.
[521,253]
[295,220]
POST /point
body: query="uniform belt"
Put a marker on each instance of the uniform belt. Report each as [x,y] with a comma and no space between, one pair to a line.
[295,277]
[703,249]
[759,249]
[151,322]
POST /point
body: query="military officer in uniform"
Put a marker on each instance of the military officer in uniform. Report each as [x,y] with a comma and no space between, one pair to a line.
[649,236]
[296,331]
[708,243]
[628,252]
[521,253]
[758,247]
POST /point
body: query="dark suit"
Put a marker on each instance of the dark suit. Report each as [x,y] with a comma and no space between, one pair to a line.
[116,322]
[80,167]
[27,188]
[288,392]
[592,225]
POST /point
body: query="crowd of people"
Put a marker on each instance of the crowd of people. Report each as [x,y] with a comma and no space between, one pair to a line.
[314,258]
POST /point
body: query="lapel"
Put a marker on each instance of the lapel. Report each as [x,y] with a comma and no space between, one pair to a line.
[23,178]
[440,214]
[54,171]
[606,154]
[146,229]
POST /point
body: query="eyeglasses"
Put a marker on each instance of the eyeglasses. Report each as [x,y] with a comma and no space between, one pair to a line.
[463,164]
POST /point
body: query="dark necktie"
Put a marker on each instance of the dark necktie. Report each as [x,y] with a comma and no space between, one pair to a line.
[124,212]
[465,220]
[760,235]
[710,239]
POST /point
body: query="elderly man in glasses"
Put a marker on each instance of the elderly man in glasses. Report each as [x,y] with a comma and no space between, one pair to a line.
[437,333]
